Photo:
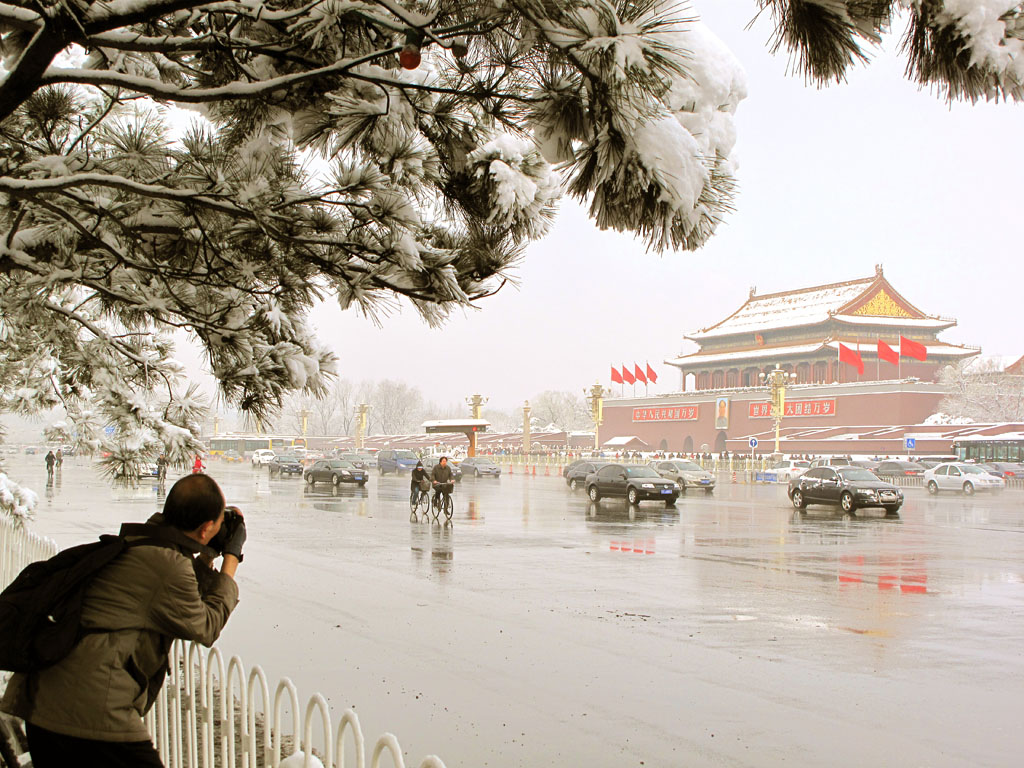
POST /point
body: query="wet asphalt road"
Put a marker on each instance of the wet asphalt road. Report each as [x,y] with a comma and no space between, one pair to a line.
[541,630]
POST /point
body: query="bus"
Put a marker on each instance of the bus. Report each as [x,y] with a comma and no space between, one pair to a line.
[245,444]
[983,448]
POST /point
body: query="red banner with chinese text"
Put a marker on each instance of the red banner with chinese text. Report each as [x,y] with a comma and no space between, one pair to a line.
[763,410]
[669,413]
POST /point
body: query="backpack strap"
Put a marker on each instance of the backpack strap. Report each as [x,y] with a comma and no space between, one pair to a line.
[162,535]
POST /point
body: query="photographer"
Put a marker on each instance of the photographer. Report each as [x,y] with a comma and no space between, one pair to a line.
[87,709]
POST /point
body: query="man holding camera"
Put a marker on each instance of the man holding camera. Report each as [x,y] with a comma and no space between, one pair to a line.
[87,709]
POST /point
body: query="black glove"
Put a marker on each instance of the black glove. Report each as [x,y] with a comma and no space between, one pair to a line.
[235,536]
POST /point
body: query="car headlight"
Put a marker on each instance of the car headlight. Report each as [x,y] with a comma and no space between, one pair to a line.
[646,485]
[346,473]
[867,492]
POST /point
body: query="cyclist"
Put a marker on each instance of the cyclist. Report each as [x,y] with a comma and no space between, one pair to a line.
[50,460]
[441,477]
[161,467]
[419,475]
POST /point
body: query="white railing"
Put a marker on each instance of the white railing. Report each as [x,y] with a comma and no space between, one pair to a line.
[19,547]
[197,722]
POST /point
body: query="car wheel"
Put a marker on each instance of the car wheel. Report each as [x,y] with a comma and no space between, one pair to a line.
[968,489]
[798,499]
[632,496]
[335,479]
[933,488]
[476,473]
[893,511]
[671,501]
[593,493]
[846,502]
[309,478]
[574,484]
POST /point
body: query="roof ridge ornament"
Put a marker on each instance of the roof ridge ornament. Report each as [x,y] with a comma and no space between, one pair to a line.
[878,270]
[753,291]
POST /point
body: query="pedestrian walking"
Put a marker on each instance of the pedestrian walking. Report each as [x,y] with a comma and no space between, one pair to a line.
[59,459]
[50,460]
[88,708]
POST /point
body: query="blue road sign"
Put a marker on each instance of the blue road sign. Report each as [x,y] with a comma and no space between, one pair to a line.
[753,442]
[910,443]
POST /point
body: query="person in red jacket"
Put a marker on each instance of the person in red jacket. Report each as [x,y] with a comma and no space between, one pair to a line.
[198,467]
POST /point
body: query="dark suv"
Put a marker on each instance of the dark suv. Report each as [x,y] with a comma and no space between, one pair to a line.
[636,483]
[577,472]
[285,465]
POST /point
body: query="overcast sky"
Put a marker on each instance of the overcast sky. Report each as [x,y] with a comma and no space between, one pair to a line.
[831,182]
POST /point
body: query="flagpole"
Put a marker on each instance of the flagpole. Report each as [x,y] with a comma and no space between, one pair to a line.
[878,360]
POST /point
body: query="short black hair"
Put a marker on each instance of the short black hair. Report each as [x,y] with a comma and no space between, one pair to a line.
[192,501]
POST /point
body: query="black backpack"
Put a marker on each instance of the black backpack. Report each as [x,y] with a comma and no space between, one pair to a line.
[41,610]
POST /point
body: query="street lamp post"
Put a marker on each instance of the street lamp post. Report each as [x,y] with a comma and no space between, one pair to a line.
[776,380]
[526,427]
[361,411]
[595,395]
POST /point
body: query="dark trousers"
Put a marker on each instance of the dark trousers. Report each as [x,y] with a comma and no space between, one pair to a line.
[55,750]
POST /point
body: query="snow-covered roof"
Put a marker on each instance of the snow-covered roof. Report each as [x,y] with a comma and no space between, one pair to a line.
[770,353]
[806,306]
[624,441]
[455,423]
[900,322]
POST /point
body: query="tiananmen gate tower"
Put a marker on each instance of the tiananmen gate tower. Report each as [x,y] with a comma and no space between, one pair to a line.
[723,401]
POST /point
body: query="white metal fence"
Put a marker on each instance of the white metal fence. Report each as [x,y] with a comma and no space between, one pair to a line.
[199,721]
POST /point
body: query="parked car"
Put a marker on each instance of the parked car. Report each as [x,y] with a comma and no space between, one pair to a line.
[897,468]
[869,464]
[335,472]
[429,462]
[478,466]
[390,460]
[357,460]
[850,488]
[232,456]
[369,459]
[957,476]
[1003,469]
[635,482]
[285,465]
[790,468]
[831,461]
[933,461]
[687,474]
[577,472]
[262,456]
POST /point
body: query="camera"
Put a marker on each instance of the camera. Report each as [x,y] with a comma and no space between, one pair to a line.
[232,519]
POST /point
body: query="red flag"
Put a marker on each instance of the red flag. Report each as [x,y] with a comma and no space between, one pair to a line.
[848,356]
[639,374]
[913,349]
[651,375]
[616,376]
[887,353]
[627,376]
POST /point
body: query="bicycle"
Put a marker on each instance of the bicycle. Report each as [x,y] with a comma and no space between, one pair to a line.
[442,502]
[421,507]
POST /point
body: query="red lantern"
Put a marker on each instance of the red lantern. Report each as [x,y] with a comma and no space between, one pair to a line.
[409,57]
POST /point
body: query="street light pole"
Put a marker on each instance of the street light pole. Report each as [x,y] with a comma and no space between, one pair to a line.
[595,395]
[777,380]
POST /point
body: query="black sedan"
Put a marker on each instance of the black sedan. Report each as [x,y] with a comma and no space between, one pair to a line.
[636,483]
[335,471]
[285,465]
[478,466]
[577,472]
[849,488]
[898,468]
[357,460]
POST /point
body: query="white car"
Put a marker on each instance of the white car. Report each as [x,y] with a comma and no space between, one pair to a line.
[262,456]
[790,468]
[957,476]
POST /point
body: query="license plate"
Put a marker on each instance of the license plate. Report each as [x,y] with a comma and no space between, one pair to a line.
[704,482]
[667,491]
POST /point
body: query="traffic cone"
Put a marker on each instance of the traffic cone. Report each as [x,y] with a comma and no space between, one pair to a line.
[734,477]
[534,470]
